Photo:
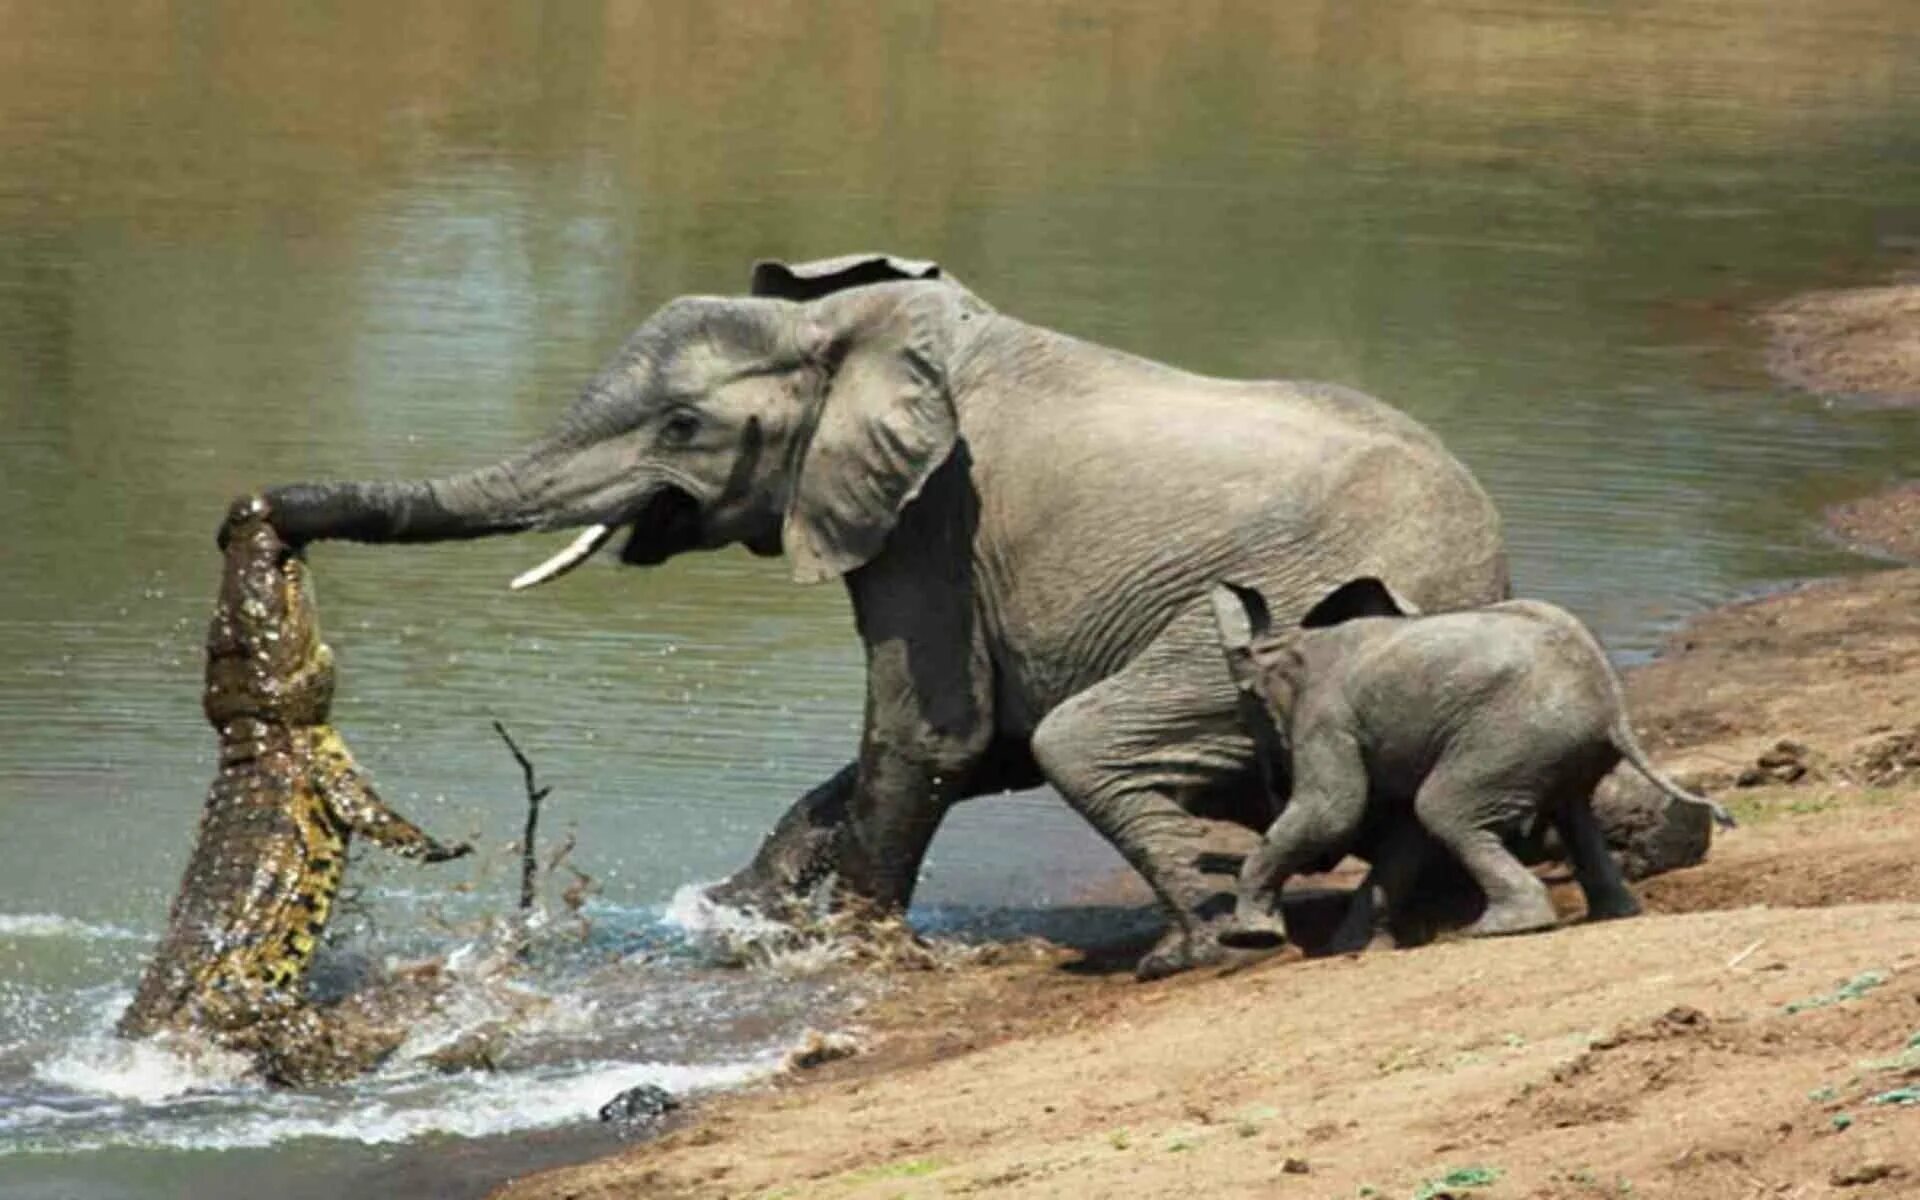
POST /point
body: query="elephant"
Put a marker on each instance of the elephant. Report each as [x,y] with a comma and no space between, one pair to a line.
[1405,734]
[1026,524]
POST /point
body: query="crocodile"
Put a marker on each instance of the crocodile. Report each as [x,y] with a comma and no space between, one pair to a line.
[273,834]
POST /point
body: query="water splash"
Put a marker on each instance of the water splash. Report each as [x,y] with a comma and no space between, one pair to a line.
[566,1031]
[694,912]
[145,1072]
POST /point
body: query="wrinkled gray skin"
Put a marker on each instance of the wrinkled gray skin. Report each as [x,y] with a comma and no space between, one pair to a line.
[1026,524]
[1459,733]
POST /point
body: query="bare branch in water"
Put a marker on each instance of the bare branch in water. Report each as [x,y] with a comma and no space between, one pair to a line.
[560,852]
[529,862]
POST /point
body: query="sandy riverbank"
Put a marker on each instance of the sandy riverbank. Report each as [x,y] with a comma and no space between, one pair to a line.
[1857,343]
[1656,1055]
[1885,524]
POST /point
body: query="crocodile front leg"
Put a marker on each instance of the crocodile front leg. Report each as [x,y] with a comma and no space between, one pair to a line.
[356,805]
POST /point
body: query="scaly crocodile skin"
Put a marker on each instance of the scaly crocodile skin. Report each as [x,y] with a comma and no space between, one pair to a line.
[273,836]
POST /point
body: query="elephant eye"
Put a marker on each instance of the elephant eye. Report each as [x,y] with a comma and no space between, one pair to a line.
[679,428]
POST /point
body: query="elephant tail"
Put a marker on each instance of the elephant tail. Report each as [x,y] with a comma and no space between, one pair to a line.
[1623,740]
[1621,734]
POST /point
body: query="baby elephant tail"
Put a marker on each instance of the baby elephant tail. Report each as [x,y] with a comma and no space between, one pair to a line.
[1629,748]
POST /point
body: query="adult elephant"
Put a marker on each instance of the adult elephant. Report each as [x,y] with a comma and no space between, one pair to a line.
[1027,525]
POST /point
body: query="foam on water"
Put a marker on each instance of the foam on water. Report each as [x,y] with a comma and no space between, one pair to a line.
[406,1108]
[396,1110]
[486,1104]
[53,925]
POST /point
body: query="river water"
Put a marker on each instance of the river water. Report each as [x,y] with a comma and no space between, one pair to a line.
[243,244]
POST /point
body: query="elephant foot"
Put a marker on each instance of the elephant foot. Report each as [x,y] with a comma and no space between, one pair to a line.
[1253,927]
[1505,920]
[1181,950]
[1253,937]
[1612,908]
[804,849]
[1200,944]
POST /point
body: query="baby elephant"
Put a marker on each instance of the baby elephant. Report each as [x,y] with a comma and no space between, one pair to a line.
[1475,724]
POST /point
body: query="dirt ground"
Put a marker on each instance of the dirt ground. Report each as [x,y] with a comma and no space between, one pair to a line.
[1861,343]
[1887,524]
[1756,1034]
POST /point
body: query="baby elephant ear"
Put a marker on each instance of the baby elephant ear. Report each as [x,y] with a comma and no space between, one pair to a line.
[1362,597]
[1241,615]
[825,276]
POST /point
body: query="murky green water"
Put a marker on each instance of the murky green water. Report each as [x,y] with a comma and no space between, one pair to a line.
[241,244]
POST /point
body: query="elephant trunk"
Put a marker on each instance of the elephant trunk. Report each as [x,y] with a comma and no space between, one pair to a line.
[496,499]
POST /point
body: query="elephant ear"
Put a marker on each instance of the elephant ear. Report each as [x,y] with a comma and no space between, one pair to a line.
[1362,597]
[884,424]
[825,276]
[1245,623]
[1242,617]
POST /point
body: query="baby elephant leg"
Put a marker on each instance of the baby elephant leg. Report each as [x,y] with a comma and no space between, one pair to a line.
[1380,902]
[1317,826]
[1464,814]
[1599,875]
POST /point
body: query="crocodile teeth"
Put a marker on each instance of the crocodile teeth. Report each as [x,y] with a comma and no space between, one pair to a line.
[579,550]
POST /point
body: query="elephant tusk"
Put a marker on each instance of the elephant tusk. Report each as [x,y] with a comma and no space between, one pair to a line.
[578,551]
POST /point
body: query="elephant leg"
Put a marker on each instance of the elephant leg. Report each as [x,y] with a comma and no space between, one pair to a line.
[867,828]
[929,739]
[1316,828]
[802,849]
[1381,901]
[1593,865]
[1130,752]
[1464,811]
